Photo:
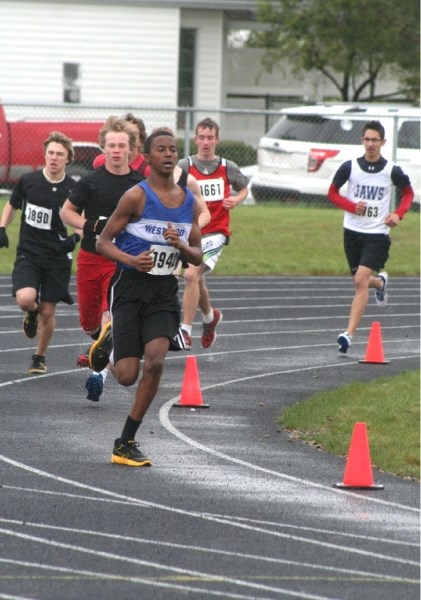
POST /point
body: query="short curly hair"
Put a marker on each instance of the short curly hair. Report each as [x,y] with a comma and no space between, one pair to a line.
[130,118]
[208,123]
[156,133]
[66,142]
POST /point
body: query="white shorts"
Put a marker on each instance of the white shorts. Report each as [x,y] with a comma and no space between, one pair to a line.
[212,246]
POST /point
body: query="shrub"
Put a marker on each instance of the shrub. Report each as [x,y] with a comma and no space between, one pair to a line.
[239,152]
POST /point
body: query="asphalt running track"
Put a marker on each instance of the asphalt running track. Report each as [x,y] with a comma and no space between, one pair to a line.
[232,507]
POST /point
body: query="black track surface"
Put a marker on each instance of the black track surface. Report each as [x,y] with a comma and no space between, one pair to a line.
[232,506]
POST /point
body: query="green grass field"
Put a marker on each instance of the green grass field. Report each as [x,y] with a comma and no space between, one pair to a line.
[275,239]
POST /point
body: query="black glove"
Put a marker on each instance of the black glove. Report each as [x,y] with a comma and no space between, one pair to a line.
[184,261]
[70,242]
[94,226]
[4,240]
[100,224]
[89,227]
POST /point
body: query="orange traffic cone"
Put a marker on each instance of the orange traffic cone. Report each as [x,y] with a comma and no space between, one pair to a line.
[191,394]
[358,472]
[374,353]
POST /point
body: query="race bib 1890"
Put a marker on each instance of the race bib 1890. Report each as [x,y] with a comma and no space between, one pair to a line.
[165,260]
[38,216]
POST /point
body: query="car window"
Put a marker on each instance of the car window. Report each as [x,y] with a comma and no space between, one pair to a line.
[82,163]
[85,155]
[313,128]
[409,135]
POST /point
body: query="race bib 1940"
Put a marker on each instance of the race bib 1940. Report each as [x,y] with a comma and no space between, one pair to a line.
[38,216]
[165,260]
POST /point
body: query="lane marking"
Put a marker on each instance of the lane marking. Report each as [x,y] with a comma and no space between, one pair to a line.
[227,520]
[167,424]
[159,543]
[164,567]
[342,361]
[211,518]
[376,314]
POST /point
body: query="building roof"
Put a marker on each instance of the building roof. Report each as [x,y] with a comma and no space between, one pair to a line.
[238,10]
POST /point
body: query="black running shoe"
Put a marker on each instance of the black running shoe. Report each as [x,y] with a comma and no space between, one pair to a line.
[187,339]
[30,324]
[127,453]
[37,366]
[99,353]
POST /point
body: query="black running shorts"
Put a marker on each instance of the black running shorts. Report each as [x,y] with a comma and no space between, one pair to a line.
[49,279]
[366,249]
[143,307]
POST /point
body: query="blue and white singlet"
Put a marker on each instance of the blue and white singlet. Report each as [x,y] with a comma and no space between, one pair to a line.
[148,231]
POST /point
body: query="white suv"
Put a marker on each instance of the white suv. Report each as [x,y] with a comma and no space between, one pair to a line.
[299,155]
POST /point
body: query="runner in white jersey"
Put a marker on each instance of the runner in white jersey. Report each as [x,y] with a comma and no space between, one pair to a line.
[367,220]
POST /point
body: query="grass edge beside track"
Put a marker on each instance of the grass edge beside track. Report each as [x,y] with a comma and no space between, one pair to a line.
[390,407]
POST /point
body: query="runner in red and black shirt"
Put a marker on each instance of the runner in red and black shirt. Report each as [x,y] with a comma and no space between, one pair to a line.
[216,177]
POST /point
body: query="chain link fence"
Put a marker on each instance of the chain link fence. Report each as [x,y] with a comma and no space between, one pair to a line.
[289,157]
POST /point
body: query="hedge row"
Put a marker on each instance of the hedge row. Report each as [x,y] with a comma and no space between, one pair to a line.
[239,152]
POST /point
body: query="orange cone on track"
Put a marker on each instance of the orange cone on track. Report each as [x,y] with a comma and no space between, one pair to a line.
[374,353]
[358,472]
[191,394]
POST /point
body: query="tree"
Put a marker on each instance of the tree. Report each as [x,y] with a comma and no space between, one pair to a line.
[351,42]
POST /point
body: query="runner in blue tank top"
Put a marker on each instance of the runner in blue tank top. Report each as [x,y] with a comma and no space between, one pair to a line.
[153,222]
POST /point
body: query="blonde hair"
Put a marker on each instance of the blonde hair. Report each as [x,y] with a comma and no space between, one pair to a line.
[116,125]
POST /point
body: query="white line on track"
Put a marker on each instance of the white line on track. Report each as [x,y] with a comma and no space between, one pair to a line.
[226,309]
[164,567]
[230,521]
[195,549]
[343,360]
[164,418]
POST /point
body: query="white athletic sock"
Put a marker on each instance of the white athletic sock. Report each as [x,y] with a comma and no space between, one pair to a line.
[103,373]
[208,318]
[186,328]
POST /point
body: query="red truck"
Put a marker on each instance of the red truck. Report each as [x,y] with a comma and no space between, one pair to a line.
[21,146]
